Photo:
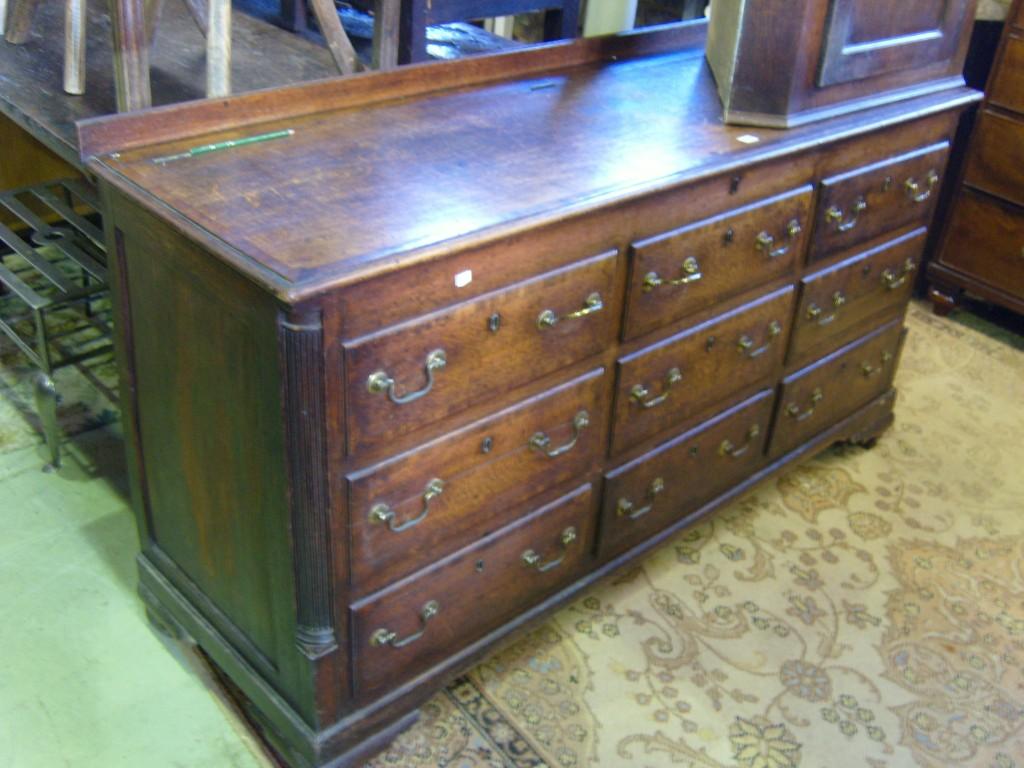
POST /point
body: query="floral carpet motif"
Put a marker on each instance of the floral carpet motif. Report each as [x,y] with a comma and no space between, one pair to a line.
[865,609]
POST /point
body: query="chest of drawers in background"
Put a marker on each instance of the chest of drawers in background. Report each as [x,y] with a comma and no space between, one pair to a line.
[982,248]
[375,428]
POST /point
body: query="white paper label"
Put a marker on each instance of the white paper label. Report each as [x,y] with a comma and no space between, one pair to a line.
[464,278]
[747,138]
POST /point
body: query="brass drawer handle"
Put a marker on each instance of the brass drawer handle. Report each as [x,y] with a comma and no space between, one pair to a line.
[382,513]
[690,274]
[913,188]
[836,216]
[891,280]
[379,382]
[746,344]
[549,319]
[386,637]
[626,508]
[869,370]
[728,449]
[794,411]
[533,560]
[816,313]
[765,241]
[540,441]
[640,393]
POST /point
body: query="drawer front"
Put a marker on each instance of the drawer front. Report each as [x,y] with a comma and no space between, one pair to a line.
[407,377]
[415,509]
[996,162]
[986,240]
[817,397]
[870,201]
[836,300]
[678,273]
[1007,87]
[408,628]
[688,374]
[674,479]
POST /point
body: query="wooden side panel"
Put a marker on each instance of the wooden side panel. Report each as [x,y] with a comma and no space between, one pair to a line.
[210,432]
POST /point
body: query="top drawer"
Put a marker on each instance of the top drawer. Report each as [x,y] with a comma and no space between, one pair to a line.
[411,375]
[681,272]
[870,201]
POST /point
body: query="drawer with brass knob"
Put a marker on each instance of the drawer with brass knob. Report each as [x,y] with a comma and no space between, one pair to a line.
[818,396]
[406,377]
[678,379]
[838,300]
[866,202]
[681,272]
[425,618]
[415,508]
[672,480]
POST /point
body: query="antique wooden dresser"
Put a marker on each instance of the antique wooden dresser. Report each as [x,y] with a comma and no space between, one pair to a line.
[982,249]
[423,354]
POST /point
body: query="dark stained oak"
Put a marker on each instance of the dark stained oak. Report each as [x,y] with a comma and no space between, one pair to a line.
[996,162]
[981,249]
[385,378]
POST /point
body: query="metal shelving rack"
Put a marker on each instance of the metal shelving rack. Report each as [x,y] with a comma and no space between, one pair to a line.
[54,303]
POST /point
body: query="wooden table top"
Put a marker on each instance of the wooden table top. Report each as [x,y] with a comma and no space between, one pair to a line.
[357,191]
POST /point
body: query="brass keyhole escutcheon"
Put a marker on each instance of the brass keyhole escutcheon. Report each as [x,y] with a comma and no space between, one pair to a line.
[486,445]
[494,323]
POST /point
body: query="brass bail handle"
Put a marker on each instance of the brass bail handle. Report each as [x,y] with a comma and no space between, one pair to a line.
[893,280]
[836,216]
[914,191]
[728,449]
[869,370]
[746,344]
[532,560]
[380,382]
[626,508]
[817,314]
[689,273]
[382,513]
[540,442]
[549,318]
[383,636]
[641,394]
[795,412]
[766,241]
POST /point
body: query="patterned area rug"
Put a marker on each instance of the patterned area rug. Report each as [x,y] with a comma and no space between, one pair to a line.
[866,609]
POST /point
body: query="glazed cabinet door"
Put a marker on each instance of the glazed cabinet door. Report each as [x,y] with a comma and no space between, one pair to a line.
[869,38]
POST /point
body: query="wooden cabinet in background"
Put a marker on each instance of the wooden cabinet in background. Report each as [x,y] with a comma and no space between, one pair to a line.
[474,336]
[982,247]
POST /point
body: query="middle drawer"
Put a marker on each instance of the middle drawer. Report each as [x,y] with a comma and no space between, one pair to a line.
[686,375]
[411,510]
[678,273]
[409,376]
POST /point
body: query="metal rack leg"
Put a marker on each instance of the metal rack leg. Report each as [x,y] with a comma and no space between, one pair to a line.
[46,407]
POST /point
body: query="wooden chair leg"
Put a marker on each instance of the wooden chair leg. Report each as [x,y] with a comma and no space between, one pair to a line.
[386,21]
[562,24]
[131,54]
[74,46]
[293,15]
[218,49]
[153,10]
[330,27]
[412,36]
[19,20]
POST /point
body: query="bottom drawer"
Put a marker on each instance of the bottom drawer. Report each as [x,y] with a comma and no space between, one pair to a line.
[817,397]
[986,240]
[659,488]
[427,617]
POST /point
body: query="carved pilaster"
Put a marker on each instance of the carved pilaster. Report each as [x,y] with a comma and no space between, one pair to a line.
[301,343]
